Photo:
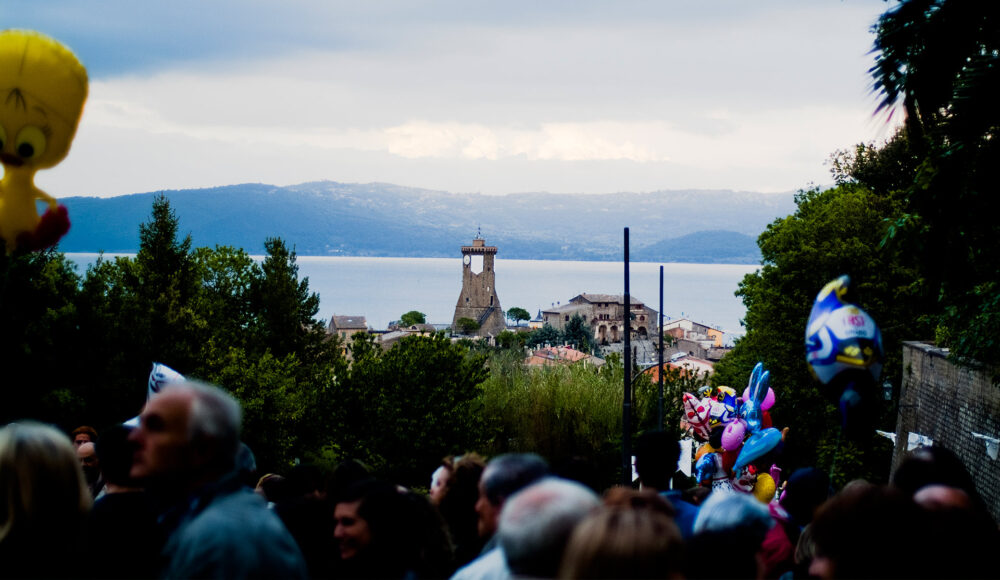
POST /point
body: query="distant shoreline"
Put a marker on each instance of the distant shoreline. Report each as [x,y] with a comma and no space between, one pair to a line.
[499,258]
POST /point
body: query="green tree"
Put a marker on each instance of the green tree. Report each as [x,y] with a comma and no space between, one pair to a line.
[215,315]
[467,325]
[578,332]
[547,334]
[833,232]
[940,59]
[412,317]
[228,276]
[285,309]
[273,401]
[517,314]
[134,312]
[511,340]
[40,338]
[403,409]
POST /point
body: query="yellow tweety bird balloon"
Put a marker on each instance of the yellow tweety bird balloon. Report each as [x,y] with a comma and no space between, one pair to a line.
[42,90]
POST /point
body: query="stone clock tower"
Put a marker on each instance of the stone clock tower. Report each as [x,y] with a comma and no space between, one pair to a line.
[478,299]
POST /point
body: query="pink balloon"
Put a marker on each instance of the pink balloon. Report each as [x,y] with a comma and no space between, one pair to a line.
[732,437]
[768,401]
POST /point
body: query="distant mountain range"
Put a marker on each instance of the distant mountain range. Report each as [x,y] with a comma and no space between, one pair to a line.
[340,219]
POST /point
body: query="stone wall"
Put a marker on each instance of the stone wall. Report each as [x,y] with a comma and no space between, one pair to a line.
[947,403]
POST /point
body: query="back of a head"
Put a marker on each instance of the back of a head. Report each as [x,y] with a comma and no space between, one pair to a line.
[932,465]
[656,454]
[344,476]
[726,511]
[506,474]
[734,520]
[87,430]
[214,421]
[42,488]
[536,524]
[114,452]
[623,542]
[459,498]
[645,499]
[806,490]
[859,528]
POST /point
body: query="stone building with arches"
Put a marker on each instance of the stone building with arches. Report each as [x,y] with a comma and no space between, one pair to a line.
[605,313]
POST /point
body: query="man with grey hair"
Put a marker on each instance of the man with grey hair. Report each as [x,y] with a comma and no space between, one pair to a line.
[536,523]
[185,453]
[503,476]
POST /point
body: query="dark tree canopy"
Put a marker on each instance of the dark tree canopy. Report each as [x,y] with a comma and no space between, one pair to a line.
[941,60]
[578,333]
[833,232]
[544,335]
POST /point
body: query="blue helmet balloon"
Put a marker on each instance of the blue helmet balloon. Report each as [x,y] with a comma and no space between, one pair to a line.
[840,336]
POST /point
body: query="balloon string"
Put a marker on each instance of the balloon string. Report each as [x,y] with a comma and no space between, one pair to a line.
[836,453]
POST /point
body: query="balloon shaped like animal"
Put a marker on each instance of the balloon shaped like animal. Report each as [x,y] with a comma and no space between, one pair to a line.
[732,437]
[756,446]
[696,413]
[722,406]
[42,91]
[768,399]
[751,411]
[709,469]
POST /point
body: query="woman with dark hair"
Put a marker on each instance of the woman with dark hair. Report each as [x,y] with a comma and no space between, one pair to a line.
[383,531]
[457,505]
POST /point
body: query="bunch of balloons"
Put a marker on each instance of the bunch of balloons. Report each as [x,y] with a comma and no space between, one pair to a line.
[739,439]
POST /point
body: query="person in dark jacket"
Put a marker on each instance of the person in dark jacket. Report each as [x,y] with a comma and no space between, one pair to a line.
[186,448]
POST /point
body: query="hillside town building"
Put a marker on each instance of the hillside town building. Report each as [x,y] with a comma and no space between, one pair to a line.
[478,300]
[346,326]
[605,313]
[684,329]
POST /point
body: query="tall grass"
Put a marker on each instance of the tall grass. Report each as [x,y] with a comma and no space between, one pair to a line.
[570,411]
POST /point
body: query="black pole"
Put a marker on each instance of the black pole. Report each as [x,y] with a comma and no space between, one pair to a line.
[627,400]
[660,349]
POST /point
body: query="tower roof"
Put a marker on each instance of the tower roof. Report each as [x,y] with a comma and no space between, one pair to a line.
[479,247]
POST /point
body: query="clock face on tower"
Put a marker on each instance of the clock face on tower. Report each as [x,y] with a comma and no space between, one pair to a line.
[466,259]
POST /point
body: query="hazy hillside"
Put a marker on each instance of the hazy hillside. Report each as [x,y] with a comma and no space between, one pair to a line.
[329,218]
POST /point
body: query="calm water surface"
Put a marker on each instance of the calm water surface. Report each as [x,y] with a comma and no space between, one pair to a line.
[381,289]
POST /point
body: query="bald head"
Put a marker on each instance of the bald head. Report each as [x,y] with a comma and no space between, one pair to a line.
[935,497]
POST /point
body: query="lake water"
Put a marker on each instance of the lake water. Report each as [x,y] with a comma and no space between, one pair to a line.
[381,289]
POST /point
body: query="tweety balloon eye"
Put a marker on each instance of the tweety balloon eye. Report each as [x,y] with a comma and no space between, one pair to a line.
[30,143]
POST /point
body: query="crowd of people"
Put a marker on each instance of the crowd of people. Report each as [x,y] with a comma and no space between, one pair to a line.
[179,496]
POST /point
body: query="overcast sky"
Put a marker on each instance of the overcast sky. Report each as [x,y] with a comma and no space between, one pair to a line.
[463,95]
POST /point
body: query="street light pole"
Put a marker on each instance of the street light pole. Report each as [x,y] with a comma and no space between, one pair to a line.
[627,400]
[659,373]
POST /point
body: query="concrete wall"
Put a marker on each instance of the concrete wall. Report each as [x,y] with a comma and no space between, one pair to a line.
[947,403]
